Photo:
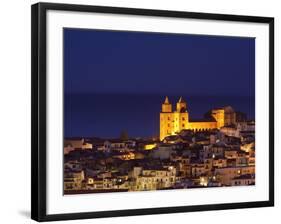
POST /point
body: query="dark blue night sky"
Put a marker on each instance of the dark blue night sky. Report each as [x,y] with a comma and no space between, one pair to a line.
[116,81]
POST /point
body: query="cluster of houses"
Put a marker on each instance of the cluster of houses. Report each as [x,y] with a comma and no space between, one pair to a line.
[188,159]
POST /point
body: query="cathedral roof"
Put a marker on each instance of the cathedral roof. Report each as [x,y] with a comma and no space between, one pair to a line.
[167,100]
[181,100]
[211,119]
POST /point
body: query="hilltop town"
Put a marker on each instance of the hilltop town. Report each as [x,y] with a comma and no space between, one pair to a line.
[216,151]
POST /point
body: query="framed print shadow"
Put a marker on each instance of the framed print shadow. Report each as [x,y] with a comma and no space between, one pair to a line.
[139,111]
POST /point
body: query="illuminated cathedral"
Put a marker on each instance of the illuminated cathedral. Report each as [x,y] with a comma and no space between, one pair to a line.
[172,122]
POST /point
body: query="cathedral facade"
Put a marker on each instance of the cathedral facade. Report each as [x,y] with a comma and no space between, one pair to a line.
[172,122]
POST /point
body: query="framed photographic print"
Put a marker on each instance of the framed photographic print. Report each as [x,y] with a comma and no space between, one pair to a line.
[138,111]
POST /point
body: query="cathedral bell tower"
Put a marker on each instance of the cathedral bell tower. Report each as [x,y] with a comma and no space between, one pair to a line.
[166,106]
[166,119]
[181,105]
[180,116]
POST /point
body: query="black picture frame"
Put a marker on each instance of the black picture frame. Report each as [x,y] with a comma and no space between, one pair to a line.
[39,123]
